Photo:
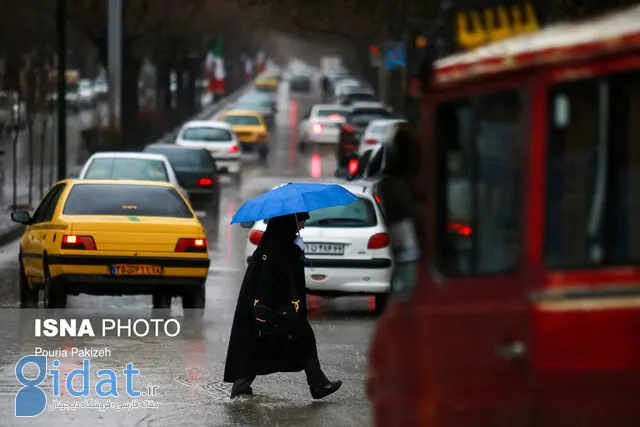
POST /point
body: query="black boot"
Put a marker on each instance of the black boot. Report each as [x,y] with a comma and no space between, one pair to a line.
[319,384]
[242,386]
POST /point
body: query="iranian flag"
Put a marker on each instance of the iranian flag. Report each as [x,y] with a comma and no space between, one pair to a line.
[215,68]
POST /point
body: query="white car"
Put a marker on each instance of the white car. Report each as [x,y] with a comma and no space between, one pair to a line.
[86,94]
[219,139]
[347,246]
[321,125]
[344,85]
[378,132]
[133,166]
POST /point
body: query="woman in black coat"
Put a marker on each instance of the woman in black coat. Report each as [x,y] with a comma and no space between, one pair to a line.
[276,265]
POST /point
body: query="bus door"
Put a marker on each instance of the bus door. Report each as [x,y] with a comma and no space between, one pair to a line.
[476,311]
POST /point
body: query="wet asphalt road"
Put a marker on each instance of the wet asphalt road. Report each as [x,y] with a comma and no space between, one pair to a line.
[188,368]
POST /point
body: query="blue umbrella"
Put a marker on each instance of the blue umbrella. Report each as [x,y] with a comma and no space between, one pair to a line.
[293,198]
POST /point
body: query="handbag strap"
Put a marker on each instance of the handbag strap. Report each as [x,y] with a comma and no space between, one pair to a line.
[292,288]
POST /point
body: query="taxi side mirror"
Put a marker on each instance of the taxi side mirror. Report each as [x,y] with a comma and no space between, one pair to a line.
[21,217]
[247,224]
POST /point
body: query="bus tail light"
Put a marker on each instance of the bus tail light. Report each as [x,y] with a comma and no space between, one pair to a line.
[191,245]
[71,241]
[378,241]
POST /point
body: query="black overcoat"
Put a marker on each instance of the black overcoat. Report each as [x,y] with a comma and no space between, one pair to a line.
[249,354]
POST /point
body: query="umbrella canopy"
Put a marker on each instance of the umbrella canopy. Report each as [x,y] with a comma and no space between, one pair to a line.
[293,198]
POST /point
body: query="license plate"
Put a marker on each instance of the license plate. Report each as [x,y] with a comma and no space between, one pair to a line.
[324,249]
[136,270]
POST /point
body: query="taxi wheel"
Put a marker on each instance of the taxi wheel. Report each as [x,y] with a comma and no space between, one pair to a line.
[161,300]
[193,302]
[54,297]
[263,152]
[381,303]
[28,296]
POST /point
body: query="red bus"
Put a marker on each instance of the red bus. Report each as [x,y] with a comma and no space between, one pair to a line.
[530,317]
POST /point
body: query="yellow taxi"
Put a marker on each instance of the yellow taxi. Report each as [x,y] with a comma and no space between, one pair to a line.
[104,237]
[250,128]
[267,82]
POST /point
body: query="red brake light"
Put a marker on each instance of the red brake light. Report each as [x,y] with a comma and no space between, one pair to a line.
[317,127]
[205,182]
[255,236]
[191,245]
[347,128]
[353,166]
[262,136]
[378,241]
[70,241]
[233,149]
[463,230]
[370,141]
[378,199]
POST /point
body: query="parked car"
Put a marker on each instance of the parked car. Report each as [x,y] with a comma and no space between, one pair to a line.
[220,141]
[197,174]
[321,125]
[347,248]
[354,127]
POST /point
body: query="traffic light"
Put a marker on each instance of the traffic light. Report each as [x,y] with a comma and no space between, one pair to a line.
[375,56]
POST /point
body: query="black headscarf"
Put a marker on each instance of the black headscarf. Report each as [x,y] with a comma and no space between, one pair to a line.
[281,231]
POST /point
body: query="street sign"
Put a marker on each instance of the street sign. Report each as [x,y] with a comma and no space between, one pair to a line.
[395,55]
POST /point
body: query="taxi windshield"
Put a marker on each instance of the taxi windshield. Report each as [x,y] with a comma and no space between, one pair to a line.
[123,168]
[125,200]
[242,120]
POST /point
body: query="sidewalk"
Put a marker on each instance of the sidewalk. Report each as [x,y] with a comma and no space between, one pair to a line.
[45,154]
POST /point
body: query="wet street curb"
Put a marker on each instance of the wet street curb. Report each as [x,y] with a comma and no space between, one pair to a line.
[13,232]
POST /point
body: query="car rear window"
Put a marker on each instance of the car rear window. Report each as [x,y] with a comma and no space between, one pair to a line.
[357,214]
[360,97]
[330,113]
[242,120]
[184,158]
[125,200]
[363,117]
[378,129]
[123,168]
[206,134]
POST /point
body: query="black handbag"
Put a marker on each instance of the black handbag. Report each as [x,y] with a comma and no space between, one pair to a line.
[282,321]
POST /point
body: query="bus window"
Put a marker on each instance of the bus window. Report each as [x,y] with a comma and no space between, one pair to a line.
[593,173]
[480,144]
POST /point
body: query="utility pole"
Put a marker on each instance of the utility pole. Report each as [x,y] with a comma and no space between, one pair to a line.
[115,61]
[61,101]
